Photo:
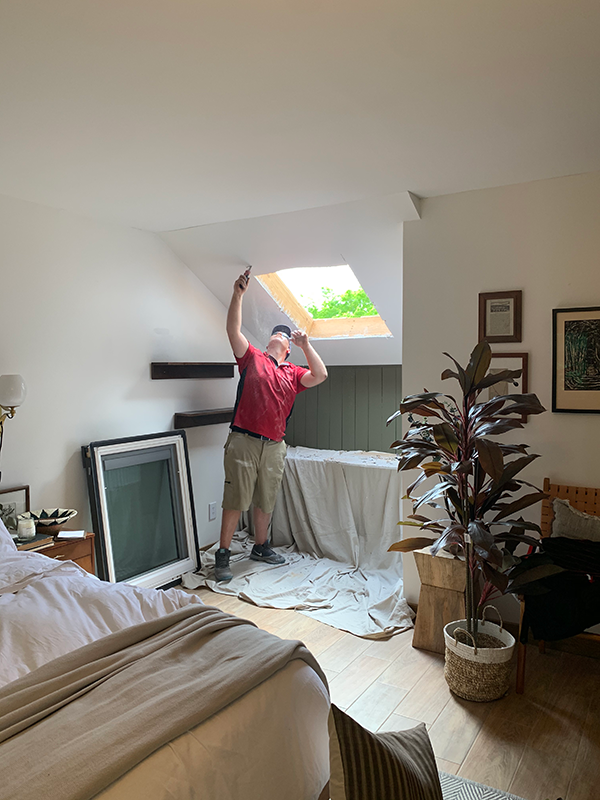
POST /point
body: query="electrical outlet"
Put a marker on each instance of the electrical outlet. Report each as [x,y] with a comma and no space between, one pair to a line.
[212,511]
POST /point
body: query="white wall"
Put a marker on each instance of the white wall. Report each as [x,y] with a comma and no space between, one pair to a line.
[84,308]
[541,237]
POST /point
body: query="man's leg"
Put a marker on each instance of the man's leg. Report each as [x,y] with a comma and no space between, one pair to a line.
[229,522]
[270,474]
[261,525]
[241,465]
[261,550]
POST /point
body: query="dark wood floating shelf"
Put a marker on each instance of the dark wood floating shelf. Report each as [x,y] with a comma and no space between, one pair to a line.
[193,419]
[166,370]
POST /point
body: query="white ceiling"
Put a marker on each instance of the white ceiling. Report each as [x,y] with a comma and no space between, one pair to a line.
[164,114]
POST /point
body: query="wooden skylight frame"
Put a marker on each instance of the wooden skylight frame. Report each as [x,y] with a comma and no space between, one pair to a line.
[337,328]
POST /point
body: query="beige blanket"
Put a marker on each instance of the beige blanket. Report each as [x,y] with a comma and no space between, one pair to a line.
[73,726]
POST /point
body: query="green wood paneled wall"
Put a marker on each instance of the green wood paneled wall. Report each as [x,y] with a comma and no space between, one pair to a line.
[349,410]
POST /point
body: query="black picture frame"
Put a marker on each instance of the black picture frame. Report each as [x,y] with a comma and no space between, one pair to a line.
[576,360]
[512,301]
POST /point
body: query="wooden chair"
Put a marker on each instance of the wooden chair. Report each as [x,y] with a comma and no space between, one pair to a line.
[582,498]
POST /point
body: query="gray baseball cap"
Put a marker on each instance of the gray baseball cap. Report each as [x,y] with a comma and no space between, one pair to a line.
[285,329]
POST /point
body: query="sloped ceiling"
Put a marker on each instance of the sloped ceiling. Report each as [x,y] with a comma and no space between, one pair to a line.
[177,113]
[367,235]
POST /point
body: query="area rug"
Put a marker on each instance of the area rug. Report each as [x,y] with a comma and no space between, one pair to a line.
[455,788]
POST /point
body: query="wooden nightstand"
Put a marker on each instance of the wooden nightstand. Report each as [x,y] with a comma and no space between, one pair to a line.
[79,550]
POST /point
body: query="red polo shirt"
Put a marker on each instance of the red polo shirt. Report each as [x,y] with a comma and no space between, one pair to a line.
[265,394]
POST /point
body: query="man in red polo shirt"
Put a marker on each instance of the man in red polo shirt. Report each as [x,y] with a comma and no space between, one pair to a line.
[255,449]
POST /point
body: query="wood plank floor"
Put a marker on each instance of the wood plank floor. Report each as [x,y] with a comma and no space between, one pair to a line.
[542,745]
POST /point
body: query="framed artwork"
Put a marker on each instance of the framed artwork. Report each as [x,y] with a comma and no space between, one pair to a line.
[12,503]
[500,316]
[500,362]
[576,360]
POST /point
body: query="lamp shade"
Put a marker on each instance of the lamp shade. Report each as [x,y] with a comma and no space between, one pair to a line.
[12,390]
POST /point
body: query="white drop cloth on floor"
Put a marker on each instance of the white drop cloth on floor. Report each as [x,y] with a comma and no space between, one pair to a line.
[335,518]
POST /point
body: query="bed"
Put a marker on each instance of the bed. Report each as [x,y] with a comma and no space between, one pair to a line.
[271,741]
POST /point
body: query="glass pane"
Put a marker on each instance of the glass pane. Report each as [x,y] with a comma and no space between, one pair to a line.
[143,514]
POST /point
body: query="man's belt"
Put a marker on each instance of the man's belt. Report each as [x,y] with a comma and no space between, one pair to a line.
[251,433]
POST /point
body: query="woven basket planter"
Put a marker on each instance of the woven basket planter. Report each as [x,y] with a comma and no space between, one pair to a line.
[478,673]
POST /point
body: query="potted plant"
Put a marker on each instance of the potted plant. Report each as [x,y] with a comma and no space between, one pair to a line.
[474,499]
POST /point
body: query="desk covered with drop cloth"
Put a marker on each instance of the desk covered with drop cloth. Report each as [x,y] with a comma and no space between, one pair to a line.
[341,509]
[335,517]
[340,505]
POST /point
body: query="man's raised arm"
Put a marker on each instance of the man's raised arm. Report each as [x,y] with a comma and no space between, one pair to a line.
[317,370]
[239,343]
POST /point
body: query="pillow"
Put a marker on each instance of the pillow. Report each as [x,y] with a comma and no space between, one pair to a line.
[574,524]
[380,766]
[7,544]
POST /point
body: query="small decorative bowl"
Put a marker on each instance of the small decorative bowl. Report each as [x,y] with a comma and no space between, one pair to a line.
[49,520]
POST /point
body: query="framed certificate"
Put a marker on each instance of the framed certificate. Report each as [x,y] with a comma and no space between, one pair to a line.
[500,316]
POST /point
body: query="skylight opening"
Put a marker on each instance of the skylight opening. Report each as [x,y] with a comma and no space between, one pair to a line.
[325,302]
[328,292]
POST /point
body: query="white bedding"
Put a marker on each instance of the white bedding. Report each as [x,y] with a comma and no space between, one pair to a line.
[271,742]
[30,631]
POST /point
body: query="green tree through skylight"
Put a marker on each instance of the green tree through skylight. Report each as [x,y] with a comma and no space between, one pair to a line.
[352,303]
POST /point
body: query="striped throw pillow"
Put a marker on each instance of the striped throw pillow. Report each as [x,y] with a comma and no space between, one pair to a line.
[380,766]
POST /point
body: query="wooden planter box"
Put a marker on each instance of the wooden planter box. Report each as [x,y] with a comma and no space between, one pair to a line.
[441,600]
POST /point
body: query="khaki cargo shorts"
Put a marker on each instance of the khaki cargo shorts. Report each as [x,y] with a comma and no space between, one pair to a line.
[253,472]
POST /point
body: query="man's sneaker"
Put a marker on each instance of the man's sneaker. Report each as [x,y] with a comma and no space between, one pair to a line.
[222,571]
[262,552]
